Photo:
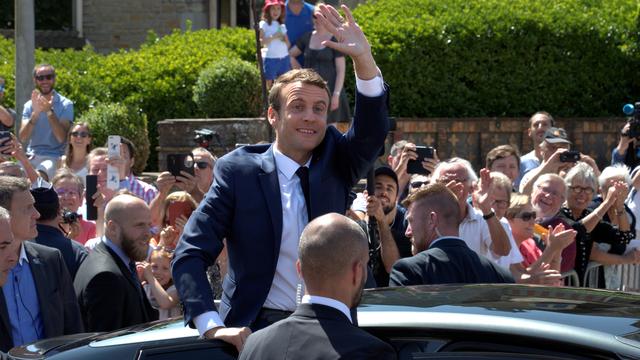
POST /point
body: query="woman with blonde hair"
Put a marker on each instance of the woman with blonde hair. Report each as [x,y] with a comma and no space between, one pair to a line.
[78,149]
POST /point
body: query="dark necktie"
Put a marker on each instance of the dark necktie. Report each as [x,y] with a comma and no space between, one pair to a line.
[303,175]
[134,275]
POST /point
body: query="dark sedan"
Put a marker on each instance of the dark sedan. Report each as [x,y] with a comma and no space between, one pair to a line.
[423,322]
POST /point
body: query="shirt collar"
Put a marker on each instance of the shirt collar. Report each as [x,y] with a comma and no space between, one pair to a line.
[321,300]
[23,255]
[117,250]
[285,164]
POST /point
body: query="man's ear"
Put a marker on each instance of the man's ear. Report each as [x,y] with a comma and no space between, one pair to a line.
[299,269]
[272,115]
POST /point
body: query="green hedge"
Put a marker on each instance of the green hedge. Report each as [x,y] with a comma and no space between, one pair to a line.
[505,57]
[116,119]
[229,88]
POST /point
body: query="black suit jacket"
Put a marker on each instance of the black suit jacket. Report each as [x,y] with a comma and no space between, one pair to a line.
[244,206]
[448,261]
[315,331]
[108,295]
[72,251]
[58,305]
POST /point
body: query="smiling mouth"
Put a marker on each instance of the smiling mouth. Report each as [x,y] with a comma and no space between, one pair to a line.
[307,131]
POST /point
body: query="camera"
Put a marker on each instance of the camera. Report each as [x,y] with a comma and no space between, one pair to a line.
[204,137]
[634,123]
[69,217]
[570,156]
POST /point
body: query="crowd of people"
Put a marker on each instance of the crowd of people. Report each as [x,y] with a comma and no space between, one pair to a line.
[276,231]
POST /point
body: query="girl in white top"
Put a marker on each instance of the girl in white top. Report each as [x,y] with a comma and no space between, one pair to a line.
[78,148]
[274,40]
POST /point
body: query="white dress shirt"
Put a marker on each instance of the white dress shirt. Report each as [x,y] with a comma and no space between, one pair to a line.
[321,300]
[282,294]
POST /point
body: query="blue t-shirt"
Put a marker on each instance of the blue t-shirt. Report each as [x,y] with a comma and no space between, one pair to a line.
[42,141]
[300,24]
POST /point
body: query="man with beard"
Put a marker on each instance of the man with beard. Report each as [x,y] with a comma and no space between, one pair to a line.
[46,119]
[37,302]
[440,255]
[332,261]
[391,224]
[108,288]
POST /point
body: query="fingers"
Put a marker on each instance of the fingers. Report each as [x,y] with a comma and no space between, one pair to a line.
[348,14]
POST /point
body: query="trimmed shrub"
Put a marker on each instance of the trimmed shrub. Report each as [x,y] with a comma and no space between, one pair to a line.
[228,88]
[504,58]
[117,119]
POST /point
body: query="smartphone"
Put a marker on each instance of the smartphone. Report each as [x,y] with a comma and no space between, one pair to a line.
[113,178]
[113,146]
[180,162]
[415,166]
[92,187]
[4,137]
[177,208]
[570,156]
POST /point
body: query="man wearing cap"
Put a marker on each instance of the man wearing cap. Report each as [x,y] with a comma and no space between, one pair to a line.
[49,233]
[555,142]
[392,244]
[37,301]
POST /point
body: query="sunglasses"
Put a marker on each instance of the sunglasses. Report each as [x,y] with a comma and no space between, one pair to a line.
[417,184]
[202,164]
[526,216]
[82,134]
[46,76]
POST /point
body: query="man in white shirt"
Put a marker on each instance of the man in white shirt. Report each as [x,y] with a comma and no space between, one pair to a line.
[333,255]
[263,195]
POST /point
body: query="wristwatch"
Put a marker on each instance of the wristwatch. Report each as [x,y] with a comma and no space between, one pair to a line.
[489,215]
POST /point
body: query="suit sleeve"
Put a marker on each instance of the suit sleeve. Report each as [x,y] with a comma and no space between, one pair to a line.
[404,274]
[201,243]
[361,145]
[72,318]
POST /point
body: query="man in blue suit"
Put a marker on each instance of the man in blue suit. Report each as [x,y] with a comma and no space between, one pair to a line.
[264,195]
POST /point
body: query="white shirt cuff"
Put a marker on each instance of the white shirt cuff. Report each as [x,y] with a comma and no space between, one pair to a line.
[371,88]
[207,321]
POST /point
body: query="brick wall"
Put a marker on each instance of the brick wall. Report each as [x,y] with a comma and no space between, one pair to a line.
[114,24]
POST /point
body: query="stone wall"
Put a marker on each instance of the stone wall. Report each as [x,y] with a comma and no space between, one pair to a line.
[115,24]
[470,138]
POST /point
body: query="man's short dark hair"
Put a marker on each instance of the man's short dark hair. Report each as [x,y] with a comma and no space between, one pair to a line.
[553,121]
[501,152]
[35,69]
[10,185]
[305,76]
[46,202]
[387,171]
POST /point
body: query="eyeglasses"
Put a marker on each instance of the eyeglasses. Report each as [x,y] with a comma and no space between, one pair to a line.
[549,191]
[579,189]
[526,216]
[45,76]
[202,164]
[417,184]
[66,192]
[82,134]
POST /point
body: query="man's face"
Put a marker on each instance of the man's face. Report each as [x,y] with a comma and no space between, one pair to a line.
[538,126]
[128,158]
[23,216]
[69,194]
[386,192]
[547,197]
[204,175]
[98,166]
[501,200]
[45,80]
[459,174]
[419,228]
[508,166]
[301,123]
[8,250]
[134,231]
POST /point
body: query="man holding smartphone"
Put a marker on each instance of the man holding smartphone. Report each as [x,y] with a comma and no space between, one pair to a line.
[46,119]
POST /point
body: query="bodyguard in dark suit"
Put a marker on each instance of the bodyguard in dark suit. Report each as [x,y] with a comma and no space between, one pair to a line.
[37,301]
[263,196]
[333,255]
[440,256]
[108,288]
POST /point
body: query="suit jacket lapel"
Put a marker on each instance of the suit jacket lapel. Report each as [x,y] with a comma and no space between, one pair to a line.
[5,324]
[39,272]
[269,181]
